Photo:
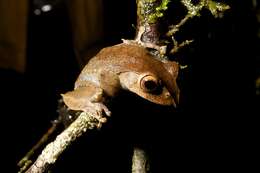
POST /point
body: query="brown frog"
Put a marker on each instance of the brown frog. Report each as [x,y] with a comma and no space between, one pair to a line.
[123,66]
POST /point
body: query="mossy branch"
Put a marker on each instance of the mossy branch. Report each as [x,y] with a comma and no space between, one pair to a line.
[216,9]
[54,149]
[148,14]
[177,45]
[149,11]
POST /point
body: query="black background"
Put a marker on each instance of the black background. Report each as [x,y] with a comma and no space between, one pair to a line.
[203,134]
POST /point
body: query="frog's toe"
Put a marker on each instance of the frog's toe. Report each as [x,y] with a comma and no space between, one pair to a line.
[101,108]
[106,110]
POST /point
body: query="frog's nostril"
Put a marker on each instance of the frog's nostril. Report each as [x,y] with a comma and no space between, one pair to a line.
[167,95]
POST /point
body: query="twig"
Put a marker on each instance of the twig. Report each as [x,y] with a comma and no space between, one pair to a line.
[216,8]
[175,28]
[193,10]
[140,162]
[53,150]
[177,46]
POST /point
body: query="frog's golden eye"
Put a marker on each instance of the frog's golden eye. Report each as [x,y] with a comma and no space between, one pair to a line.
[149,83]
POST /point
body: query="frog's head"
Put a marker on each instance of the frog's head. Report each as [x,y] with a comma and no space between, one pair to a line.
[157,87]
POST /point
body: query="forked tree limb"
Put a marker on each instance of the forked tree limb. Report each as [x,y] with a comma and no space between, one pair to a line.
[148,14]
[216,9]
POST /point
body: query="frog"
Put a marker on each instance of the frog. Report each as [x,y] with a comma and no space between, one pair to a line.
[127,67]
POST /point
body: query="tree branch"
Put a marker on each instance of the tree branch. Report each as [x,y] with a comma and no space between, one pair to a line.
[216,9]
[140,163]
[148,14]
[177,46]
[25,162]
[53,150]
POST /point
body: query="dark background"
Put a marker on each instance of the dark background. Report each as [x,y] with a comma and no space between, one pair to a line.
[203,134]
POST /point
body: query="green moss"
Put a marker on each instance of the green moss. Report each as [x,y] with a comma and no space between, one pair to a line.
[217,8]
[149,11]
[159,11]
[150,1]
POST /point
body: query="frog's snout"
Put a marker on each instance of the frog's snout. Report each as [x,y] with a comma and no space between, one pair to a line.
[168,96]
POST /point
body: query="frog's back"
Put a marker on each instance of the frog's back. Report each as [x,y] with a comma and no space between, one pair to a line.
[117,59]
[125,57]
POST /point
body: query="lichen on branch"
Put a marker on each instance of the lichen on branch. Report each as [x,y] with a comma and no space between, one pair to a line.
[216,9]
[150,11]
[148,14]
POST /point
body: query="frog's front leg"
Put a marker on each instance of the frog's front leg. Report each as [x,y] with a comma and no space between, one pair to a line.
[88,98]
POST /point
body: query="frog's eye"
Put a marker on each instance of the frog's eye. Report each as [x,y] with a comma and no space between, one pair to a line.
[149,83]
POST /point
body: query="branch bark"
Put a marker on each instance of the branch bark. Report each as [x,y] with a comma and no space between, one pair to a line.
[140,162]
[25,162]
[147,35]
[149,13]
[54,149]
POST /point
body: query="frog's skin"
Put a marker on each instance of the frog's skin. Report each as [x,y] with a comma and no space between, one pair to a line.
[123,66]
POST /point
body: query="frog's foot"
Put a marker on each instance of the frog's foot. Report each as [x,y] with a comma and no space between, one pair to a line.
[98,111]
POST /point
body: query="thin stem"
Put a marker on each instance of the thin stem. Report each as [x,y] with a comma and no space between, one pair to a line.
[177,46]
[176,28]
[193,10]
